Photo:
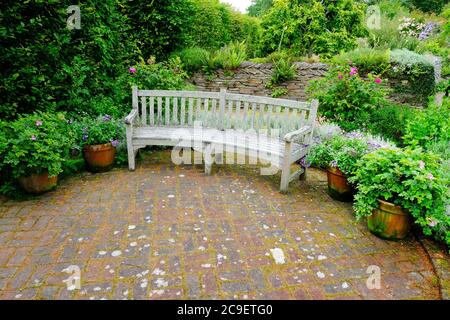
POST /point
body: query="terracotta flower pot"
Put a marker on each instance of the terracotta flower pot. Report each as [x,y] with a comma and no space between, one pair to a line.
[389,221]
[99,157]
[338,186]
[38,183]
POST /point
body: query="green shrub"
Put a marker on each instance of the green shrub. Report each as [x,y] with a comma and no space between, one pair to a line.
[323,27]
[193,59]
[37,143]
[435,6]
[346,99]
[279,92]
[429,126]
[389,121]
[416,69]
[367,60]
[231,56]
[408,178]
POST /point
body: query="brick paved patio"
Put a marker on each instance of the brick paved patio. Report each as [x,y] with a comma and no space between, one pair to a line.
[167,232]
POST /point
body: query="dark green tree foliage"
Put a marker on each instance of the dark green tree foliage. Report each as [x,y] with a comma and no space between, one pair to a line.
[322,27]
[259,7]
[45,66]
[160,26]
[429,5]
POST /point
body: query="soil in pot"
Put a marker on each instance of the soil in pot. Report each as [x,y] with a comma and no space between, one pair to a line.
[100,157]
[38,183]
[389,221]
[338,186]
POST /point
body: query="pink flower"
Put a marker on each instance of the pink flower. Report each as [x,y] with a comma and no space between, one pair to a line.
[430,177]
[38,123]
[33,138]
[378,80]
[353,71]
[340,76]
[132,70]
[421,164]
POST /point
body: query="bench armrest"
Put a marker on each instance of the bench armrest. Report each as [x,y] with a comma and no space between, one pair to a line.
[130,118]
[292,136]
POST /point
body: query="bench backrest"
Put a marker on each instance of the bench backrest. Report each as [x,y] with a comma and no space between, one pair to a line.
[222,110]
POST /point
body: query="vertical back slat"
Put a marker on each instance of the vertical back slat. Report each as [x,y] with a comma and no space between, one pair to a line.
[175,111]
[198,110]
[269,119]
[167,105]
[152,111]
[144,111]
[230,112]
[245,115]
[191,111]
[253,119]
[183,111]
[159,118]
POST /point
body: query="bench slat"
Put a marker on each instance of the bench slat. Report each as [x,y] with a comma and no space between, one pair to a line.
[159,118]
[152,111]
[167,106]
[175,111]
[144,110]
[183,111]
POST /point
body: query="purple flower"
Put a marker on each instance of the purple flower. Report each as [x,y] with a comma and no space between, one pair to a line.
[378,80]
[114,143]
[132,70]
[85,137]
[430,177]
[305,163]
[33,138]
[340,76]
[107,118]
[38,123]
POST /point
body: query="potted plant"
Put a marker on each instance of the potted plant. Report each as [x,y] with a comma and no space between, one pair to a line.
[396,187]
[99,139]
[37,147]
[338,154]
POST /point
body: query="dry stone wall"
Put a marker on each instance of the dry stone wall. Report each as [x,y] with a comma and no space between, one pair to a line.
[251,78]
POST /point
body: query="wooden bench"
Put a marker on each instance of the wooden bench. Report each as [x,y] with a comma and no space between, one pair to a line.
[275,130]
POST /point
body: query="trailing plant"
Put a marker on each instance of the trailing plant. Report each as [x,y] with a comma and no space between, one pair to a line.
[367,60]
[231,56]
[37,143]
[279,92]
[410,179]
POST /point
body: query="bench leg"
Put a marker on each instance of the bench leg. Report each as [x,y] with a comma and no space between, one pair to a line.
[303,176]
[131,158]
[286,169]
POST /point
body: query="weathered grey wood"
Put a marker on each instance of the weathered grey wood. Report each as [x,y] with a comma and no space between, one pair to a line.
[234,122]
[152,111]
[143,110]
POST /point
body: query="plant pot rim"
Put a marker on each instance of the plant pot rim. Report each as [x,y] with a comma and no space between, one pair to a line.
[392,208]
[336,171]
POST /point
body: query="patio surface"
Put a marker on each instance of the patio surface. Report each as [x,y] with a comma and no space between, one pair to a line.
[166,232]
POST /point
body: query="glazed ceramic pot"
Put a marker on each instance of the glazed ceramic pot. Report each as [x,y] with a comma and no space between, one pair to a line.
[389,221]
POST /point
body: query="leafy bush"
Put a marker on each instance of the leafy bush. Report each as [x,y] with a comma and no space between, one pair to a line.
[323,27]
[231,56]
[44,66]
[279,92]
[429,126]
[367,60]
[100,130]
[346,99]
[389,121]
[429,5]
[415,68]
[192,59]
[37,143]
[259,7]
[408,178]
